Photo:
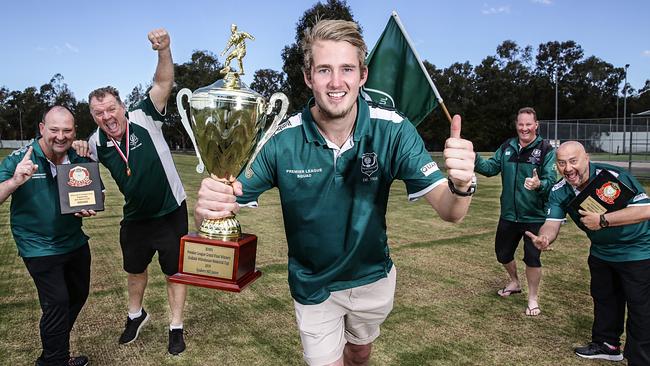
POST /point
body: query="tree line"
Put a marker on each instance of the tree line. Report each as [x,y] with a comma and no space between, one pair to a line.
[487,95]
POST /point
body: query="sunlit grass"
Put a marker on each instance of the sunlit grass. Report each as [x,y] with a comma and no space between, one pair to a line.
[446,309]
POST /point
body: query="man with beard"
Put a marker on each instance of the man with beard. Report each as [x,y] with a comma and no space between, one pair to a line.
[619,257]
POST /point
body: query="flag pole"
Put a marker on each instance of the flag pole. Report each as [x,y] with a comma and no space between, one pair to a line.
[424,70]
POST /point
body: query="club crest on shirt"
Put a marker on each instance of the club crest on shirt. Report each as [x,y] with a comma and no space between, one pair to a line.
[79,177]
[608,192]
[369,163]
[535,156]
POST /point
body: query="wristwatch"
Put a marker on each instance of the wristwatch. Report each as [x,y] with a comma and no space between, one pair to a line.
[470,191]
[603,221]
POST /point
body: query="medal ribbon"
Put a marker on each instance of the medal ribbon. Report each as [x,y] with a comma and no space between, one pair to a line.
[125,158]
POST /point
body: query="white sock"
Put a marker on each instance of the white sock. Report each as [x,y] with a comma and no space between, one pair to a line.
[172,326]
[136,314]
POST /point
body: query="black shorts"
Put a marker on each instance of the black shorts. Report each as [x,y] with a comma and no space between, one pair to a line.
[507,239]
[140,239]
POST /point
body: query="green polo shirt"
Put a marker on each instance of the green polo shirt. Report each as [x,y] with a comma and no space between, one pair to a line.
[616,243]
[335,207]
[154,187]
[37,225]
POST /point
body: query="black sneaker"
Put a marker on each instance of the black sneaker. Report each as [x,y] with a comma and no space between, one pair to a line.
[176,342]
[603,351]
[78,361]
[132,328]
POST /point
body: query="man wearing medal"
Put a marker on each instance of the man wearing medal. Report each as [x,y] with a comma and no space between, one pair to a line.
[619,256]
[132,147]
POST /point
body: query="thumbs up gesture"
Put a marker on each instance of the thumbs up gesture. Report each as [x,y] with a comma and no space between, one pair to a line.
[459,157]
[533,182]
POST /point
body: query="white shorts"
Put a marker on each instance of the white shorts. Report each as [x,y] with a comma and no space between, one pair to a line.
[353,315]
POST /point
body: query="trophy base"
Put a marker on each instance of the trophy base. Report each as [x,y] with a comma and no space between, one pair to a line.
[216,284]
[227,265]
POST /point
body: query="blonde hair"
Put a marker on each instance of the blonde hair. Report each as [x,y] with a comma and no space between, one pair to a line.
[332,30]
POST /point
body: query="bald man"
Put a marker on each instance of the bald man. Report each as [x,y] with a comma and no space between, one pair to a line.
[53,246]
[619,257]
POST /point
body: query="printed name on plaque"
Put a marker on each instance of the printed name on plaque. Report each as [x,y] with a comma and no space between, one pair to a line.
[208,260]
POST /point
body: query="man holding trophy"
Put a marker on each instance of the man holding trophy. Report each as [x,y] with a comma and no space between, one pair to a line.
[334,164]
[132,147]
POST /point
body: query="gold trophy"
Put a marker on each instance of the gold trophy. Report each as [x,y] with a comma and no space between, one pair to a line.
[227,129]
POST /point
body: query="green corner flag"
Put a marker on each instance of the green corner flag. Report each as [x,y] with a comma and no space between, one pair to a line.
[396,76]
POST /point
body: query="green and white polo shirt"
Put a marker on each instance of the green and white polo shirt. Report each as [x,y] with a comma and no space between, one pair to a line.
[615,243]
[154,188]
[334,202]
[37,224]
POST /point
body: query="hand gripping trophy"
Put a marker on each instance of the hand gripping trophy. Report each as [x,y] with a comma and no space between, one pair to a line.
[226,124]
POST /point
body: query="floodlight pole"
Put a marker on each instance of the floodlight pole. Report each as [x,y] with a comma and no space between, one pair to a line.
[555,138]
[20,122]
[625,106]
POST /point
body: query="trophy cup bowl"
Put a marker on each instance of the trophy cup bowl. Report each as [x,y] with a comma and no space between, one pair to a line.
[227,125]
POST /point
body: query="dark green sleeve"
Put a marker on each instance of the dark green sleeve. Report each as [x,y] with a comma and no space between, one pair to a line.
[488,167]
[548,174]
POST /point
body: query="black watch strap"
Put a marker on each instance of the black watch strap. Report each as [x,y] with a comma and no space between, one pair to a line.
[603,221]
[470,190]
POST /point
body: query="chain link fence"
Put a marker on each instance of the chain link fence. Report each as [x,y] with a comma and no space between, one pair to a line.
[625,143]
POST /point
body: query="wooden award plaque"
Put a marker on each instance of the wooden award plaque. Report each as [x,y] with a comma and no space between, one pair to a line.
[217,264]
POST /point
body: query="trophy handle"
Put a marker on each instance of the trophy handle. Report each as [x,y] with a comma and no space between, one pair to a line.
[186,124]
[272,128]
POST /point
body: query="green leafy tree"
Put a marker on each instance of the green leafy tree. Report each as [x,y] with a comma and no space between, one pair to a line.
[267,82]
[137,95]
[202,70]
[296,90]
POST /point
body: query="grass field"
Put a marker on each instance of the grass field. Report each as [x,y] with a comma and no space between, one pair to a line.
[446,308]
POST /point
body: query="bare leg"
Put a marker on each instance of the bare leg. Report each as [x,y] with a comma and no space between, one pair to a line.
[356,355]
[533,276]
[511,268]
[137,282]
[176,293]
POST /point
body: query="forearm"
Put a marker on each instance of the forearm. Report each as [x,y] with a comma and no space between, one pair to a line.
[450,207]
[628,215]
[6,189]
[487,167]
[550,229]
[164,76]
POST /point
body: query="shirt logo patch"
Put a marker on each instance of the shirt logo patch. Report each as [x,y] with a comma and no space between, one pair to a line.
[369,163]
[429,168]
[535,156]
[508,152]
[134,142]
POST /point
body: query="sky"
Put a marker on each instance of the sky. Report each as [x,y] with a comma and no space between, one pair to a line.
[94,44]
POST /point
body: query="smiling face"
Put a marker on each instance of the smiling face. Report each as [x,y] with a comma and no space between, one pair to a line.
[335,77]
[573,163]
[109,114]
[58,132]
[526,128]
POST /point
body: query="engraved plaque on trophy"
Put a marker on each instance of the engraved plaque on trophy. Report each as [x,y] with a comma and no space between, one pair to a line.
[227,123]
[80,187]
